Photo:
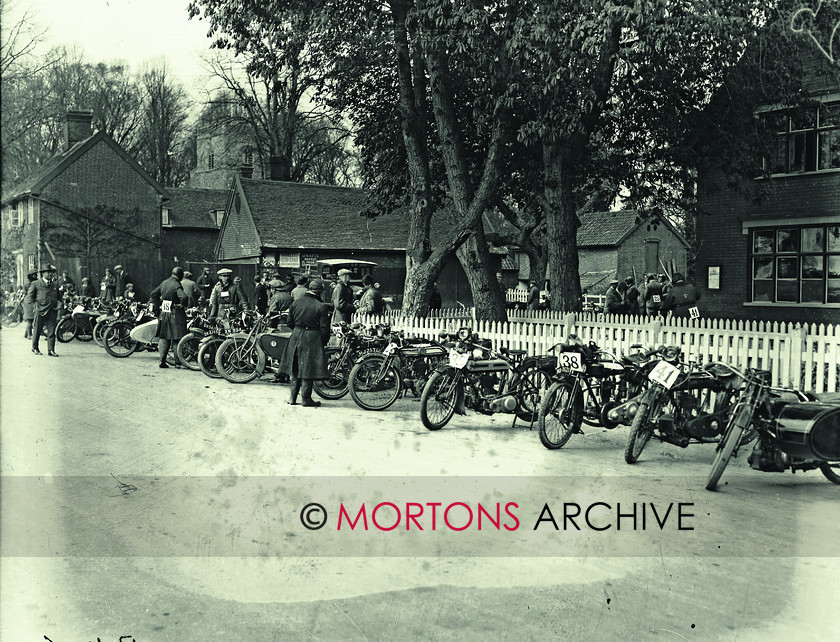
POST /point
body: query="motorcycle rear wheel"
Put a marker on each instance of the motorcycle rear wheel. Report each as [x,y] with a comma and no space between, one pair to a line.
[207,357]
[236,361]
[831,470]
[118,342]
[334,387]
[12,317]
[560,415]
[65,330]
[532,386]
[437,403]
[641,429]
[99,332]
[187,351]
[731,438]
[84,333]
[368,389]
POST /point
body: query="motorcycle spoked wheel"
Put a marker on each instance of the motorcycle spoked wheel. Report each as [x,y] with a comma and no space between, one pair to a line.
[370,387]
[532,386]
[831,470]
[118,342]
[99,332]
[207,357]
[65,330]
[84,333]
[641,430]
[560,414]
[437,403]
[735,428]
[334,387]
[237,361]
[187,351]
[12,318]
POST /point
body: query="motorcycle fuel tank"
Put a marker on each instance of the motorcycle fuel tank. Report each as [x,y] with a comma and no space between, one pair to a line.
[810,430]
[488,365]
[274,343]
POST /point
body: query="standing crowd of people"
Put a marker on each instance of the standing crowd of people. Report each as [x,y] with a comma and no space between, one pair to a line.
[657,296]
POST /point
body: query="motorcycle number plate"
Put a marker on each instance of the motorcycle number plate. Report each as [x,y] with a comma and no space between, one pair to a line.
[571,360]
[656,298]
[78,308]
[664,374]
[694,312]
[166,306]
[391,347]
[337,331]
[458,360]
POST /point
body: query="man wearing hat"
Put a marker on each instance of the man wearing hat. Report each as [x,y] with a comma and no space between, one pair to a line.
[43,296]
[681,299]
[122,279]
[281,297]
[67,285]
[190,289]
[172,320]
[227,298]
[342,298]
[29,308]
[260,294]
[614,303]
[304,359]
[205,285]
[371,301]
[653,295]
[533,297]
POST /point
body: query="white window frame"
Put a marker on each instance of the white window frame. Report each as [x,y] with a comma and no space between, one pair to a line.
[219,215]
[15,219]
[165,217]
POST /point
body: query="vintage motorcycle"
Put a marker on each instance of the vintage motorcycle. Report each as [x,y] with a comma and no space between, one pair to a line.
[684,404]
[486,381]
[377,378]
[244,356]
[353,341]
[198,327]
[217,331]
[117,309]
[79,321]
[125,336]
[591,386]
[796,431]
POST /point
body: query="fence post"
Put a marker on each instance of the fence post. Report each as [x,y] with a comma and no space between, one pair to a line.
[568,325]
[798,339]
[656,331]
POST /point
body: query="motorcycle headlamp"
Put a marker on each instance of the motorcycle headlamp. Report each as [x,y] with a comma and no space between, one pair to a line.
[477,353]
[671,353]
[464,333]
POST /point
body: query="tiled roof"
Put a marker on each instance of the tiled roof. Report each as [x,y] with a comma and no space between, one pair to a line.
[291,215]
[42,174]
[605,229]
[190,207]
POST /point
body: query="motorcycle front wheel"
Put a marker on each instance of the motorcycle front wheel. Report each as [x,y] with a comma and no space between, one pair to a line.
[12,317]
[737,426]
[207,357]
[372,384]
[437,403]
[338,370]
[65,330]
[831,470]
[99,332]
[237,360]
[561,413]
[187,351]
[118,342]
[642,428]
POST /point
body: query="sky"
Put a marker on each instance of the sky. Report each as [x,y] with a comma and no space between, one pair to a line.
[129,30]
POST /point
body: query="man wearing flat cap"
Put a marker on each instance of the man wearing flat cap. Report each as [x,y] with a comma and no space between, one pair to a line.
[44,298]
[614,303]
[342,298]
[205,285]
[304,359]
[227,298]
[172,320]
[121,279]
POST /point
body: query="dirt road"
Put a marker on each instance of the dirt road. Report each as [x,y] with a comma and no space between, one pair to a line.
[163,505]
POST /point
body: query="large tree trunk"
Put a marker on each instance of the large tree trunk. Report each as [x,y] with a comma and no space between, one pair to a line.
[561,228]
[487,295]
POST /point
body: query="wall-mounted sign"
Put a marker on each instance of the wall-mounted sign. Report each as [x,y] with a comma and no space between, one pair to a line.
[288,259]
[309,261]
[714,277]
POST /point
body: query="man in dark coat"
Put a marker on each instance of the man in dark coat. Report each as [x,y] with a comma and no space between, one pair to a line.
[67,285]
[371,301]
[172,320]
[46,302]
[342,298]
[533,297]
[681,299]
[227,297]
[260,294]
[614,302]
[29,308]
[304,359]
[190,289]
[435,300]
[122,279]
[300,289]
[205,285]
[631,296]
[653,295]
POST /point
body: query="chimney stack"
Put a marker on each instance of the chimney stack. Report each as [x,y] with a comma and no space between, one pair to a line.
[77,126]
[279,169]
[247,171]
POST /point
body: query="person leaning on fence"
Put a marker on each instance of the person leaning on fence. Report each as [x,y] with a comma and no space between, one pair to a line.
[614,302]
[304,359]
[682,299]
[653,296]
[371,301]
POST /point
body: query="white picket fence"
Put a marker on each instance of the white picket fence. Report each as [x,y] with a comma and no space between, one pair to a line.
[806,357]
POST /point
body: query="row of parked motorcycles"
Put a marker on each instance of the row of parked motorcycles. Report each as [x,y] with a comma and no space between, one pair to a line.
[656,392]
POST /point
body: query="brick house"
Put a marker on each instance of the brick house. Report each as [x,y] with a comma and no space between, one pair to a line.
[617,245]
[288,227]
[89,207]
[190,222]
[770,249]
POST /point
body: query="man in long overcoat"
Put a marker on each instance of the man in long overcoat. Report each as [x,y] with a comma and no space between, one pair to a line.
[45,301]
[122,279]
[172,320]
[304,359]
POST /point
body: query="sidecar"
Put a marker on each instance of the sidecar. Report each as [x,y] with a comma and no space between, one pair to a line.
[810,430]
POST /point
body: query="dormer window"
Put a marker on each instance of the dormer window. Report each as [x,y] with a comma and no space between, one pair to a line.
[220,215]
[164,216]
